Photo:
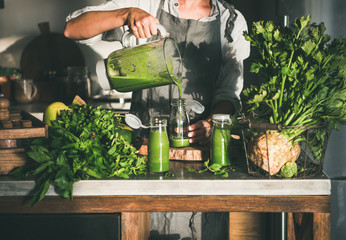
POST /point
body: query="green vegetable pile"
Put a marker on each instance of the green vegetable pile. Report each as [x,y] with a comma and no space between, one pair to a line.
[302,78]
[83,142]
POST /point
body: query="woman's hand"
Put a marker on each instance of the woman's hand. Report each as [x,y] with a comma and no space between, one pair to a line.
[200,132]
[142,24]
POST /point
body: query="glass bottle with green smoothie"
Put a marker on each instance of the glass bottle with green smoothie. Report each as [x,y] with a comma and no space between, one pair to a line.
[221,139]
[179,123]
[158,148]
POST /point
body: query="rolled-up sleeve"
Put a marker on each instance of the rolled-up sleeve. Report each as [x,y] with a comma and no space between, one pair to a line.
[229,85]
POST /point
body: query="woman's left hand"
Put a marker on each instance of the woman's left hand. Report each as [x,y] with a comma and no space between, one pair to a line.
[200,132]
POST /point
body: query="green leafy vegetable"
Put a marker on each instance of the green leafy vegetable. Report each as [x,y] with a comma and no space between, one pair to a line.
[289,170]
[83,142]
[303,78]
[215,168]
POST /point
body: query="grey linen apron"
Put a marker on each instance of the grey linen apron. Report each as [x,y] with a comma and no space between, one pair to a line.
[200,47]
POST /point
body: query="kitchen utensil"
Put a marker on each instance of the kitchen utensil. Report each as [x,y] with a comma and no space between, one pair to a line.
[149,65]
[25,90]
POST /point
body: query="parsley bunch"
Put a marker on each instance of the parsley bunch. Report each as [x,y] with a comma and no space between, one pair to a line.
[83,142]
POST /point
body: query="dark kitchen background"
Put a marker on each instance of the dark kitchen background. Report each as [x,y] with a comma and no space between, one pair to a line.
[19,21]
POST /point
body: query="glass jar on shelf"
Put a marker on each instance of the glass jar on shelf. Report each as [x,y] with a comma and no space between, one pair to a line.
[77,82]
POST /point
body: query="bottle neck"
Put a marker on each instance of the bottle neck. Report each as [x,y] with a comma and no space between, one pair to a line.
[177,102]
[158,124]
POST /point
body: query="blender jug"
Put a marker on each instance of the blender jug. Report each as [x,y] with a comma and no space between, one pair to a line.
[149,65]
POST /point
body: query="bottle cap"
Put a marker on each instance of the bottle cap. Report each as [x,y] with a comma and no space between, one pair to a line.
[222,117]
[197,107]
[101,73]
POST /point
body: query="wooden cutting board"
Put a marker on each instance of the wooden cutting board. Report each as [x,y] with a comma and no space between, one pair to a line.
[49,52]
[191,153]
[45,60]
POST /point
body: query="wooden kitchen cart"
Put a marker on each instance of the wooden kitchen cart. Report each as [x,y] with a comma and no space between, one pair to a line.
[184,192]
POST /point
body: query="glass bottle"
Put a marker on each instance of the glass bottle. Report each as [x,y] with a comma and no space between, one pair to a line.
[221,139]
[78,83]
[179,123]
[158,149]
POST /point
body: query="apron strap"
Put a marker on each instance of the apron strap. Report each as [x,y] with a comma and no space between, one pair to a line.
[159,10]
[230,21]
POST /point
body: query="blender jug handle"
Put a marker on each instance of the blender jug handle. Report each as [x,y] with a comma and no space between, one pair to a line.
[129,40]
[162,30]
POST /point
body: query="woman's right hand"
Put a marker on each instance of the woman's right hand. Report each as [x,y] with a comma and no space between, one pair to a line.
[141,23]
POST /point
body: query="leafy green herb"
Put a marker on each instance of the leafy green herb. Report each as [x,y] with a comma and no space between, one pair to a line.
[215,168]
[83,142]
[169,174]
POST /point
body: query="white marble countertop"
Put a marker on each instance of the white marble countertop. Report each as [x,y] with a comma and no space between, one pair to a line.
[212,186]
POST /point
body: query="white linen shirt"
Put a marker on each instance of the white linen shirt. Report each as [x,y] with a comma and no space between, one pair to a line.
[230,82]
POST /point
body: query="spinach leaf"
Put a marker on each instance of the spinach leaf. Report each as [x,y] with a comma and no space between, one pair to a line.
[83,142]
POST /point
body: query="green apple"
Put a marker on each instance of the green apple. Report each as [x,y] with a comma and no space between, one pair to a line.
[52,111]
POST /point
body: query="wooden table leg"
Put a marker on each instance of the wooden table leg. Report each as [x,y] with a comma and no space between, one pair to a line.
[308,226]
[135,225]
[290,229]
[246,225]
[321,226]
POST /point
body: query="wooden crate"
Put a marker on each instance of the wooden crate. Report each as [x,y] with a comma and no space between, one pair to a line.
[38,129]
[11,158]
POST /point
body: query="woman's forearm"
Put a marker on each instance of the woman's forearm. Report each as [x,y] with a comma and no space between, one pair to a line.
[91,24]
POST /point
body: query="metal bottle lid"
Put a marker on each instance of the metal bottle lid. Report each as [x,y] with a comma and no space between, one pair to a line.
[222,117]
